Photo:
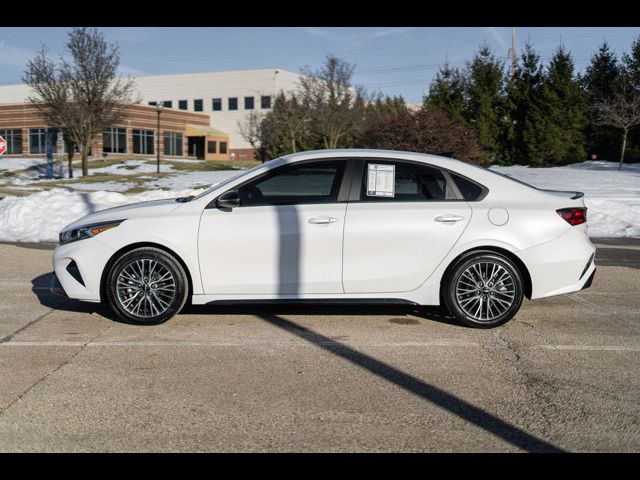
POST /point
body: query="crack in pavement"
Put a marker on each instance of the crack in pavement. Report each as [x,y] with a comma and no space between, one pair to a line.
[45,377]
[539,333]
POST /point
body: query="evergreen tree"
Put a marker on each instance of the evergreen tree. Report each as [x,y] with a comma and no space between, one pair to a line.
[447,92]
[485,106]
[600,82]
[631,70]
[562,102]
[527,117]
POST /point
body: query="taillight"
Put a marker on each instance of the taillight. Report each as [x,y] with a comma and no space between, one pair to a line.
[574,216]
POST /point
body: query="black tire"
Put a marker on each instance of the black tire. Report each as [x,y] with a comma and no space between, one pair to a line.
[490,298]
[158,303]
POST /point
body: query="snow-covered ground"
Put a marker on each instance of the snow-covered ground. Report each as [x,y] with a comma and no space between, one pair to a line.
[613,197]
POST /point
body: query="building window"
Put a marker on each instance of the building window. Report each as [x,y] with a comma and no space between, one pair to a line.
[223,147]
[37,140]
[13,137]
[173,144]
[197,105]
[114,140]
[216,104]
[211,146]
[182,105]
[265,101]
[233,103]
[168,103]
[248,103]
[153,104]
[143,141]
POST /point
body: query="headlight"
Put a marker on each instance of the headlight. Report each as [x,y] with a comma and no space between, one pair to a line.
[87,231]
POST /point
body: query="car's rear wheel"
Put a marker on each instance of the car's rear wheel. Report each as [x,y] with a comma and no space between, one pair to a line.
[483,290]
[146,286]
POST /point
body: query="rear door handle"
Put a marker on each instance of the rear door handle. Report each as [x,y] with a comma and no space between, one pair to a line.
[448,218]
[322,220]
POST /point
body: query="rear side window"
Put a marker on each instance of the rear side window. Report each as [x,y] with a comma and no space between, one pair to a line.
[470,191]
[314,182]
[412,183]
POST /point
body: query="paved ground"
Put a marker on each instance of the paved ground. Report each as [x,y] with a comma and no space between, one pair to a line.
[562,376]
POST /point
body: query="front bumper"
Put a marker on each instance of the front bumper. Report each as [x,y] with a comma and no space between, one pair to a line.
[83,281]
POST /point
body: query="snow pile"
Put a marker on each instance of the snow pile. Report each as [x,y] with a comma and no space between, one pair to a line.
[39,217]
[612,196]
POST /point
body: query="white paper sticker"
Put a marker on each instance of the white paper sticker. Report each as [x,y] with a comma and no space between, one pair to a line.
[381,180]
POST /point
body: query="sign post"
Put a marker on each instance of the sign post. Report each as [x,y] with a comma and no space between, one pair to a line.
[60,151]
[48,142]
[3,146]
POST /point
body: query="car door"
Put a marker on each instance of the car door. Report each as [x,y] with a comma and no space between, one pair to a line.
[285,238]
[396,236]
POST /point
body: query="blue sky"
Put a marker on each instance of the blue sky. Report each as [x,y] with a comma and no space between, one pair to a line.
[394,60]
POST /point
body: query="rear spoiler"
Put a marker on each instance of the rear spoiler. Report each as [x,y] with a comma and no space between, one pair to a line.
[561,193]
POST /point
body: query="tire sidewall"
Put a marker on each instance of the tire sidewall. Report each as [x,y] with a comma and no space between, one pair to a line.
[449,294]
[151,254]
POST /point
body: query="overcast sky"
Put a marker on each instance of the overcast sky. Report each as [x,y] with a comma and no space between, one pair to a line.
[394,60]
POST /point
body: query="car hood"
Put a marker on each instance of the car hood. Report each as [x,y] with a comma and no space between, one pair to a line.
[125,212]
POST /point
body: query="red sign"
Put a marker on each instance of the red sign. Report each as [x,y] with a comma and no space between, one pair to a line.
[3,146]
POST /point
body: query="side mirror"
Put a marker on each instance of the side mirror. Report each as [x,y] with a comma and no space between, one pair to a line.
[228,199]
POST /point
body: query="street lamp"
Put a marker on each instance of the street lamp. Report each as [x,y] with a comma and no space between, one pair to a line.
[159,107]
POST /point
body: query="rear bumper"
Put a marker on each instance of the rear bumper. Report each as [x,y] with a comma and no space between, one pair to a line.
[563,265]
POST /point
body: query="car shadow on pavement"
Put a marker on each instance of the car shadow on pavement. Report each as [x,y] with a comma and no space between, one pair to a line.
[41,287]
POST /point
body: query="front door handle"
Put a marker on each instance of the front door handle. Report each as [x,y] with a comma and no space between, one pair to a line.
[448,218]
[322,220]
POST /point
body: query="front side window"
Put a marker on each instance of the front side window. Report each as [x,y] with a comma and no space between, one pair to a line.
[143,142]
[305,183]
[233,103]
[216,104]
[197,105]
[114,140]
[173,144]
[37,140]
[13,137]
[411,183]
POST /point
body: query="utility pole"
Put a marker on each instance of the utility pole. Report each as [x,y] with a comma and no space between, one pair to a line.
[513,51]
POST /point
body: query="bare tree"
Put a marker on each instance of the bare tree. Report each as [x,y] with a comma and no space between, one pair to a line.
[330,96]
[81,96]
[621,111]
[253,131]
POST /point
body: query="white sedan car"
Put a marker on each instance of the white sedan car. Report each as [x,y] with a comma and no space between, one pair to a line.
[337,226]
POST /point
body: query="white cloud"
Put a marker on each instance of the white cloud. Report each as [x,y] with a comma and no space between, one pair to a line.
[497,36]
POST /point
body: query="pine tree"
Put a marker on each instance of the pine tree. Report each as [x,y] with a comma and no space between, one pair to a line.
[562,102]
[526,114]
[631,70]
[446,91]
[484,109]
[600,82]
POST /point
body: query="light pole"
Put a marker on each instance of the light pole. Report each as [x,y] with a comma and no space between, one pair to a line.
[159,107]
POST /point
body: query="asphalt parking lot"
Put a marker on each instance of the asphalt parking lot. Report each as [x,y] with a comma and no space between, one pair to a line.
[561,376]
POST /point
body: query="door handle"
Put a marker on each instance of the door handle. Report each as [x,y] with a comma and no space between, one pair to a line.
[448,218]
[322,220]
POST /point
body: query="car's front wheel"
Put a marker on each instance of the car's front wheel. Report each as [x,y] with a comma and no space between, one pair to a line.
[484,289]
[146,286]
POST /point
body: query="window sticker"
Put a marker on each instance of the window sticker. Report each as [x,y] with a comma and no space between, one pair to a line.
[381,180]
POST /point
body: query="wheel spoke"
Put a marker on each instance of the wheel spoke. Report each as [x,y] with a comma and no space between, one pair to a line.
[485,290]
[145,287]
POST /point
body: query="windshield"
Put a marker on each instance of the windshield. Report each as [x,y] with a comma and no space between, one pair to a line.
[488,169]
[235,177]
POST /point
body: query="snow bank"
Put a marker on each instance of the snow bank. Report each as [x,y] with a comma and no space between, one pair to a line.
[39,217]
[612,196]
